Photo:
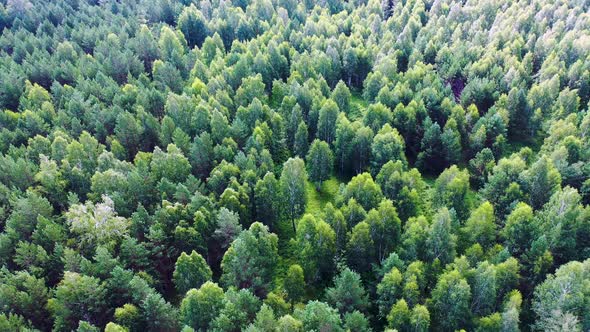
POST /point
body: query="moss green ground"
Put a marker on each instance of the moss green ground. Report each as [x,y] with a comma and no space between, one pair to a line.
[317,200]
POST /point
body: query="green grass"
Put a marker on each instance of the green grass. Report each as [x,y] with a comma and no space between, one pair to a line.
[357,106]
[317,200]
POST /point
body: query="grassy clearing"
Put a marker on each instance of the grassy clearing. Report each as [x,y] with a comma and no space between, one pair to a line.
[357,106]
[317,200]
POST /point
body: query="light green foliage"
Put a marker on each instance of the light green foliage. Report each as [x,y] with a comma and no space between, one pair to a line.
[251,259]
[414,237]
[112,327]
[420,319]
[128,316]
[399,316]
[317,201]
[385,229]
[360,247]
[155,312]
[319,316]
[22,292]
[405,188]
[335,219]
[388,145]
[481,166]
[377,116]
[301,144]
[481,226]
[294,283]
[341,96]
[191,271]
[327,121]
[451,298]
[292,184]
[561,300]
[77,297]
[170,45]
[239,310]
[484,289]
[276,301]
[430,158]
[85,326]
[315,243]
[541,181]
[25,213]
[267,206]
[172,165]
[51,179]
[492,322]
[251,88]
[97,224]
[562,222]
[228,227]
[441,241]
[289,324]
[503,188]
[265,320]
[451,189]
[356,321]
[128,130]
[221,176]
[451,142]
[507,276]
[200,306]
[364,190]
[520,229]
[389,290]
[12,322]
[320,162]
[343,144]
[361,148]
[510,315]
[335,165]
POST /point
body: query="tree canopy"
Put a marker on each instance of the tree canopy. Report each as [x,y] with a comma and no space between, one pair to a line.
[282,165]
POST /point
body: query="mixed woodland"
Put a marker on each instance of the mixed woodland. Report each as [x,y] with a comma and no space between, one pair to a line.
[290,166]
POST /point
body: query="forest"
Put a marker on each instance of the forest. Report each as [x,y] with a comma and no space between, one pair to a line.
[291,166]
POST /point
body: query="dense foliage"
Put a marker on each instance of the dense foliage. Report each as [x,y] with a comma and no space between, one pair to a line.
[282,165]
